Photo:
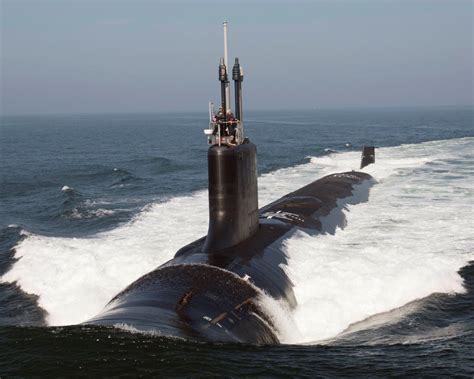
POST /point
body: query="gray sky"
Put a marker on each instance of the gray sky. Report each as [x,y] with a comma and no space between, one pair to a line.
[84,56]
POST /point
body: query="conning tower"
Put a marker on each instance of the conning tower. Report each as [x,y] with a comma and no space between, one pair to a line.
[232,164]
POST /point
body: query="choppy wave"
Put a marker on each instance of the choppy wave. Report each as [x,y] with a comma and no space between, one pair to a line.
[438,317]
[408,241]
[156,165]
[93,213]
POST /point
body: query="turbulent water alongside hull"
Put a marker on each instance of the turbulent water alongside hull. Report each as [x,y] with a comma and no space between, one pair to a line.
[217,295]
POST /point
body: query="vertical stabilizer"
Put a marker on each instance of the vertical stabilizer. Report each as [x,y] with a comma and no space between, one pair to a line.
[368,156]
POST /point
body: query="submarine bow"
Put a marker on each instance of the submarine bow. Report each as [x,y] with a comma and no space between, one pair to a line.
[213,288]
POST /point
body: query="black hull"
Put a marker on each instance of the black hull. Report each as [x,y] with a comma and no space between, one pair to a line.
[216,295]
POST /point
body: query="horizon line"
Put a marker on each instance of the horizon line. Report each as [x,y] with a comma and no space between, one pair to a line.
[279,110]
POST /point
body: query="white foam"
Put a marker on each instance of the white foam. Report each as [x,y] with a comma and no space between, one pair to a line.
[282,319]
[408,241]
[66,188]
[130,329]
[76,277]
[100,212]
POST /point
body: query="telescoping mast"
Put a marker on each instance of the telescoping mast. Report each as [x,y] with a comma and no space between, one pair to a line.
[226,127]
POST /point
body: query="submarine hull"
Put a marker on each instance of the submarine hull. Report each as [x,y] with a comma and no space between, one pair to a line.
[218,295]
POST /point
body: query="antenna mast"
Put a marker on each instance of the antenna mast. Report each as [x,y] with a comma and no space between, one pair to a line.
[227,84]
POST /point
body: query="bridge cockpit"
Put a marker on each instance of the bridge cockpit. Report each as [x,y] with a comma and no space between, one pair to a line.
[224,129]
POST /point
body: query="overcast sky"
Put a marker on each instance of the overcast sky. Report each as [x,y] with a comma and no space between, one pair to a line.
[85,56]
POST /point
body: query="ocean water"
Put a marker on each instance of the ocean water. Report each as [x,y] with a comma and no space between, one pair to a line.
[89,203]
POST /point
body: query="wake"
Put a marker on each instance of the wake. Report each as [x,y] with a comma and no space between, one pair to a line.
[408,241]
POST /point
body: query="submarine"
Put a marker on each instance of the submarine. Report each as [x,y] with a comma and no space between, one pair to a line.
[213,288]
